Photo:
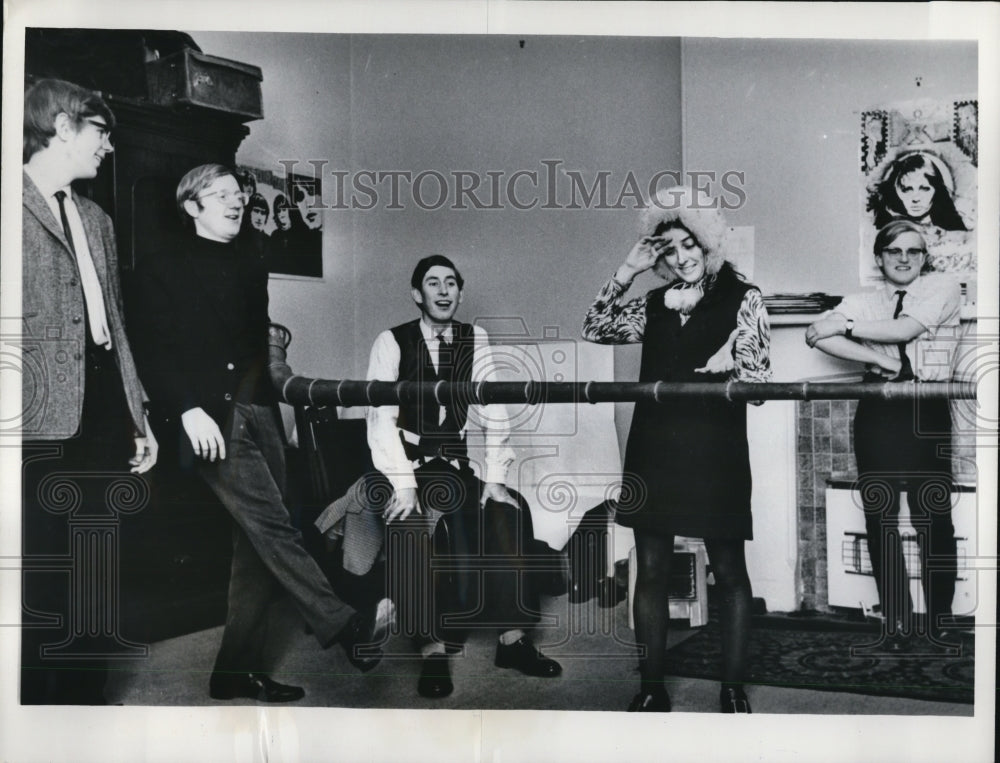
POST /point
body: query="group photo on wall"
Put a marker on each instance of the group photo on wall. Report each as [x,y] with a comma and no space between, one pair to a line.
[284,218]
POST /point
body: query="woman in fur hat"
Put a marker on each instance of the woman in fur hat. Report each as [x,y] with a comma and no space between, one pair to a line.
[687,466]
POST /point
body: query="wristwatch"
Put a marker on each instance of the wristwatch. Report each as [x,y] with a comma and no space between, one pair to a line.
[849,328]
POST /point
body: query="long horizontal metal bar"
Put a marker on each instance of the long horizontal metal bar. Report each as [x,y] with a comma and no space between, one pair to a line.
[302,390]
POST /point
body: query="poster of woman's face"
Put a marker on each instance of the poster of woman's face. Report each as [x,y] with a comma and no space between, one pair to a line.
[918,165]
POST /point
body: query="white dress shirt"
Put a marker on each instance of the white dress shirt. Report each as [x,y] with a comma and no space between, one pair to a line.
[388,455]
[934,301]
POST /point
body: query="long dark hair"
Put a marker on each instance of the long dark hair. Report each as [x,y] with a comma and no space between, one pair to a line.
[885,203]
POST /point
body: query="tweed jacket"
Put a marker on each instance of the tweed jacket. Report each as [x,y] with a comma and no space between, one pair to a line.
[357,517]
[54,331]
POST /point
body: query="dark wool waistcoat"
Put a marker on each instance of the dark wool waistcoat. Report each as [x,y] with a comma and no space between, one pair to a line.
[455,365]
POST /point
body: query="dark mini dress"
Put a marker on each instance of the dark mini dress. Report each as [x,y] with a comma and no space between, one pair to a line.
[687,464]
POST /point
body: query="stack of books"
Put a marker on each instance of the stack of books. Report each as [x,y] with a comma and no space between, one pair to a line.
[817,302]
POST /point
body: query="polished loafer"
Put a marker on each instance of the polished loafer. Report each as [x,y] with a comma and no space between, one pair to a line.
[522,655]
[435,677]
[650,702]
[732,699]
[257,686]
[363,632]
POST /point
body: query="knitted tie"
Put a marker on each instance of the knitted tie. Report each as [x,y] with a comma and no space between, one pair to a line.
[905,369]
[61,198]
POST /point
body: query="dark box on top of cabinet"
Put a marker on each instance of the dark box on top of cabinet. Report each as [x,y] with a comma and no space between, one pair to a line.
[197,80]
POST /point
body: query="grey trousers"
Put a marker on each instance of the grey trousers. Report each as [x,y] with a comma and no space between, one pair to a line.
[268,555]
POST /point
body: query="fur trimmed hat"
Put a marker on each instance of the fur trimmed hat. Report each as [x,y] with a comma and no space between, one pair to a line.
[698,213]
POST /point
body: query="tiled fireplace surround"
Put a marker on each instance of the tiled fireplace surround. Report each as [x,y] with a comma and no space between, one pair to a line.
[824,449]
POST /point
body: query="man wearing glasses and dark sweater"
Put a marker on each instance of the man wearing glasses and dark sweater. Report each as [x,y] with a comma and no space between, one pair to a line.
[205,327]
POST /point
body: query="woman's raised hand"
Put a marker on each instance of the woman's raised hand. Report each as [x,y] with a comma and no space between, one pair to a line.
[644,254]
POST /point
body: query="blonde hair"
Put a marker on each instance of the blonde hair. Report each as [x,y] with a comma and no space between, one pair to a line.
[196,181]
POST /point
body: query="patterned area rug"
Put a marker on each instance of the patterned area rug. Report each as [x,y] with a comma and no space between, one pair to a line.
[844,661]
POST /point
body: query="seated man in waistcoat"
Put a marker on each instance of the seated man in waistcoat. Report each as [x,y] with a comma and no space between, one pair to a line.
[420,449]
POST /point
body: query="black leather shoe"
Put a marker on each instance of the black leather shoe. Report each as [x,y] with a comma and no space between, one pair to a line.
[650,702]
[522,655]
[435,677]
[896,643]
[947,637]
[257,686]
[362,634]
[732,699]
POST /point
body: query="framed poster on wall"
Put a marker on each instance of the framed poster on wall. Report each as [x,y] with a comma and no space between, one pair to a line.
[283,220]
[919,161]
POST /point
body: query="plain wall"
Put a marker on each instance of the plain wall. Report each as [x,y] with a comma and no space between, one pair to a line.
[788,114]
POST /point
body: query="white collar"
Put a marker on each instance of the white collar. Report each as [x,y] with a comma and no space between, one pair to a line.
[430,332]
[44,185]
[890,289]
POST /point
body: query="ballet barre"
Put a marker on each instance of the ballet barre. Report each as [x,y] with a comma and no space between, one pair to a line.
[302,390]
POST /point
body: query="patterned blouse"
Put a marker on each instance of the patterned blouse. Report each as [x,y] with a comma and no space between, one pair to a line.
[612,320]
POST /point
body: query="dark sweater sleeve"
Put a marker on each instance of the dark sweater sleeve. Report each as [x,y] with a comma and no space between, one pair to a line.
[160,349]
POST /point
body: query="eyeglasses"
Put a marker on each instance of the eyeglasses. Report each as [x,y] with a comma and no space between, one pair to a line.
[897,253]
[225,197]
[102,129]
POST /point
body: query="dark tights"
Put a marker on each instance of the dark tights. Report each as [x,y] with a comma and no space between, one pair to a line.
[652,611]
